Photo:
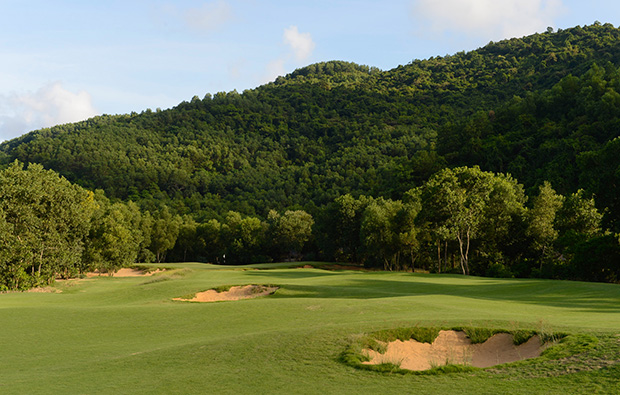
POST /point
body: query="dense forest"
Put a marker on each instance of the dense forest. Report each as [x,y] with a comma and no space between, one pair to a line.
[503,161]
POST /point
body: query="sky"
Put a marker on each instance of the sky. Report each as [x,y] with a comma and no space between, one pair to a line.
[64,61]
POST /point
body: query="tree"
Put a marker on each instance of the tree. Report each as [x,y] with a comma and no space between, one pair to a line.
[339,234]
[579,215]
[500,233]
[290,232]
[600,175]
[13,259]
[145,224]
[464,203]
[598,259]
[387,232]
[541,219]
[187,240]
[243,238]
[44,220]
[211,245]
[115,236]
[165,233]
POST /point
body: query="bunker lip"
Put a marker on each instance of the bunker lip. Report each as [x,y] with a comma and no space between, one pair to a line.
[126,272]
[454,347]
[234,293]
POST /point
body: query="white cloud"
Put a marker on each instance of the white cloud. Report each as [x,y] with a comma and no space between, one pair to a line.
[205,18]
[300,47]
[492,19]
[274,69]
[300,43]
[50,105]
[208,17]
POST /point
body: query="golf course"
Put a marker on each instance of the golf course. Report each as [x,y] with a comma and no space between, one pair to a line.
[120,335]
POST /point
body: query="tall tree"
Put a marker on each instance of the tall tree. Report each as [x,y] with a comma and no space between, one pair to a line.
[339,233]
[243,238]
[45,219]
[500,233]
[290,231]
[210,239]
[165,233]
[187,241]
[388,232]
[579,215]
[463,203]
[115,236]
[541,221]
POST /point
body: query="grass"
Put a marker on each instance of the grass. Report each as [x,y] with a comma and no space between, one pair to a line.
[126,335]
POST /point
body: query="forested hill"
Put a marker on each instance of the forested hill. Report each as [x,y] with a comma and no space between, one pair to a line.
[544,107]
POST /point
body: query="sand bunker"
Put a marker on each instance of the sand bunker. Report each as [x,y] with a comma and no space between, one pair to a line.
[126,272]
[454,347]
[234,293]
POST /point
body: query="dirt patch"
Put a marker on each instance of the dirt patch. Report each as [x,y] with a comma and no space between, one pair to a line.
[44,290]
[234,293]
[125,272]
[454,347]
[35,290]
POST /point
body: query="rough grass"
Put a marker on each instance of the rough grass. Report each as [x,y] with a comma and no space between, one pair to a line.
[120,335]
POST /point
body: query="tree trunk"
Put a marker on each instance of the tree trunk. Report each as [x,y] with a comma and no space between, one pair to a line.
[438,256]
[460,239]
[467,254]
[542,258]
[445,253]
[397,263]
[40,260]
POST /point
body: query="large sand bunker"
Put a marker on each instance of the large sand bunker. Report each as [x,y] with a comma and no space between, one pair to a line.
[454,347]
[234,293]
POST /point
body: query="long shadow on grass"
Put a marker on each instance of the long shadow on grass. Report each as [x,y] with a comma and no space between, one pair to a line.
[587,297]
[292,273]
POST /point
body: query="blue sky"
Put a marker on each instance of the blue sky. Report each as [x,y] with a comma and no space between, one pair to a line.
[63,61]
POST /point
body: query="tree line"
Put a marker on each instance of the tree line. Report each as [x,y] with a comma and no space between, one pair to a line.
[535,107]
[51,229]
[462,220]
[241,177]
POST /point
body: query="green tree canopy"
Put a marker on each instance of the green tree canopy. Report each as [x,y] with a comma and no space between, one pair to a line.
[464,203]
[290,231]
[541,220]
[45,219]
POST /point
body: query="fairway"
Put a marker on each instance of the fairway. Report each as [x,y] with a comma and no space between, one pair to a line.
[128,335]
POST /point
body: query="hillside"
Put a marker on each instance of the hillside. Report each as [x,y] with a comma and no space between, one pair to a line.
[500,162]
[334,128]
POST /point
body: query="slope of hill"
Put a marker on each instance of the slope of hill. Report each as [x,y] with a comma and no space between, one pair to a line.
[334,128]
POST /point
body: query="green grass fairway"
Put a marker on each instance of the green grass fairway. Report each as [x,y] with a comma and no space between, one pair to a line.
[127,335]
